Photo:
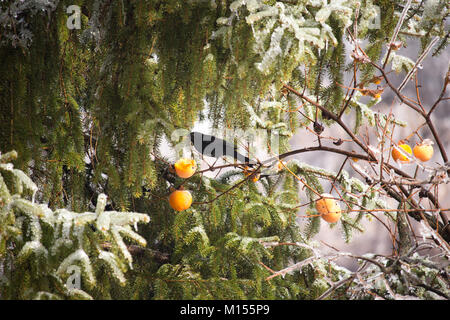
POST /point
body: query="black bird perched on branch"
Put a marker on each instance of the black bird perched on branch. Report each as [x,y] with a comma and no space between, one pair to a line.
[214,147]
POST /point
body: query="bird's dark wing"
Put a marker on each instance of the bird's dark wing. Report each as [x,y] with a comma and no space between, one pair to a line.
[215,147]
[207,145]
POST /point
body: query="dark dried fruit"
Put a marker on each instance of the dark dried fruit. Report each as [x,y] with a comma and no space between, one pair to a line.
[423,193]
[326,115]
[318,127]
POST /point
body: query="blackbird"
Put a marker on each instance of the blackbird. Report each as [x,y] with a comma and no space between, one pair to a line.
[214,147]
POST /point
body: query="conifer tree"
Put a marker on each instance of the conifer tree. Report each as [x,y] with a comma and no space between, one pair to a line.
[86,113]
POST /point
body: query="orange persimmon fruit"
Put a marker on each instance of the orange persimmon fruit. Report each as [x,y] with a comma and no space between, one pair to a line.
[248,172]
[185,168]
[424,151]
[256,177]
[399,156]
[180,200]
[376,80]
[280,165]
[328,208]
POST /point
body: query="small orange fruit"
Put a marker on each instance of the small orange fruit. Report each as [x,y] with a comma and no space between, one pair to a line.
[424,151]
[328,208]
[180,200]
[280,165]
[185,168]
[376,81]
[354,159]
[248,172]
[399,156]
